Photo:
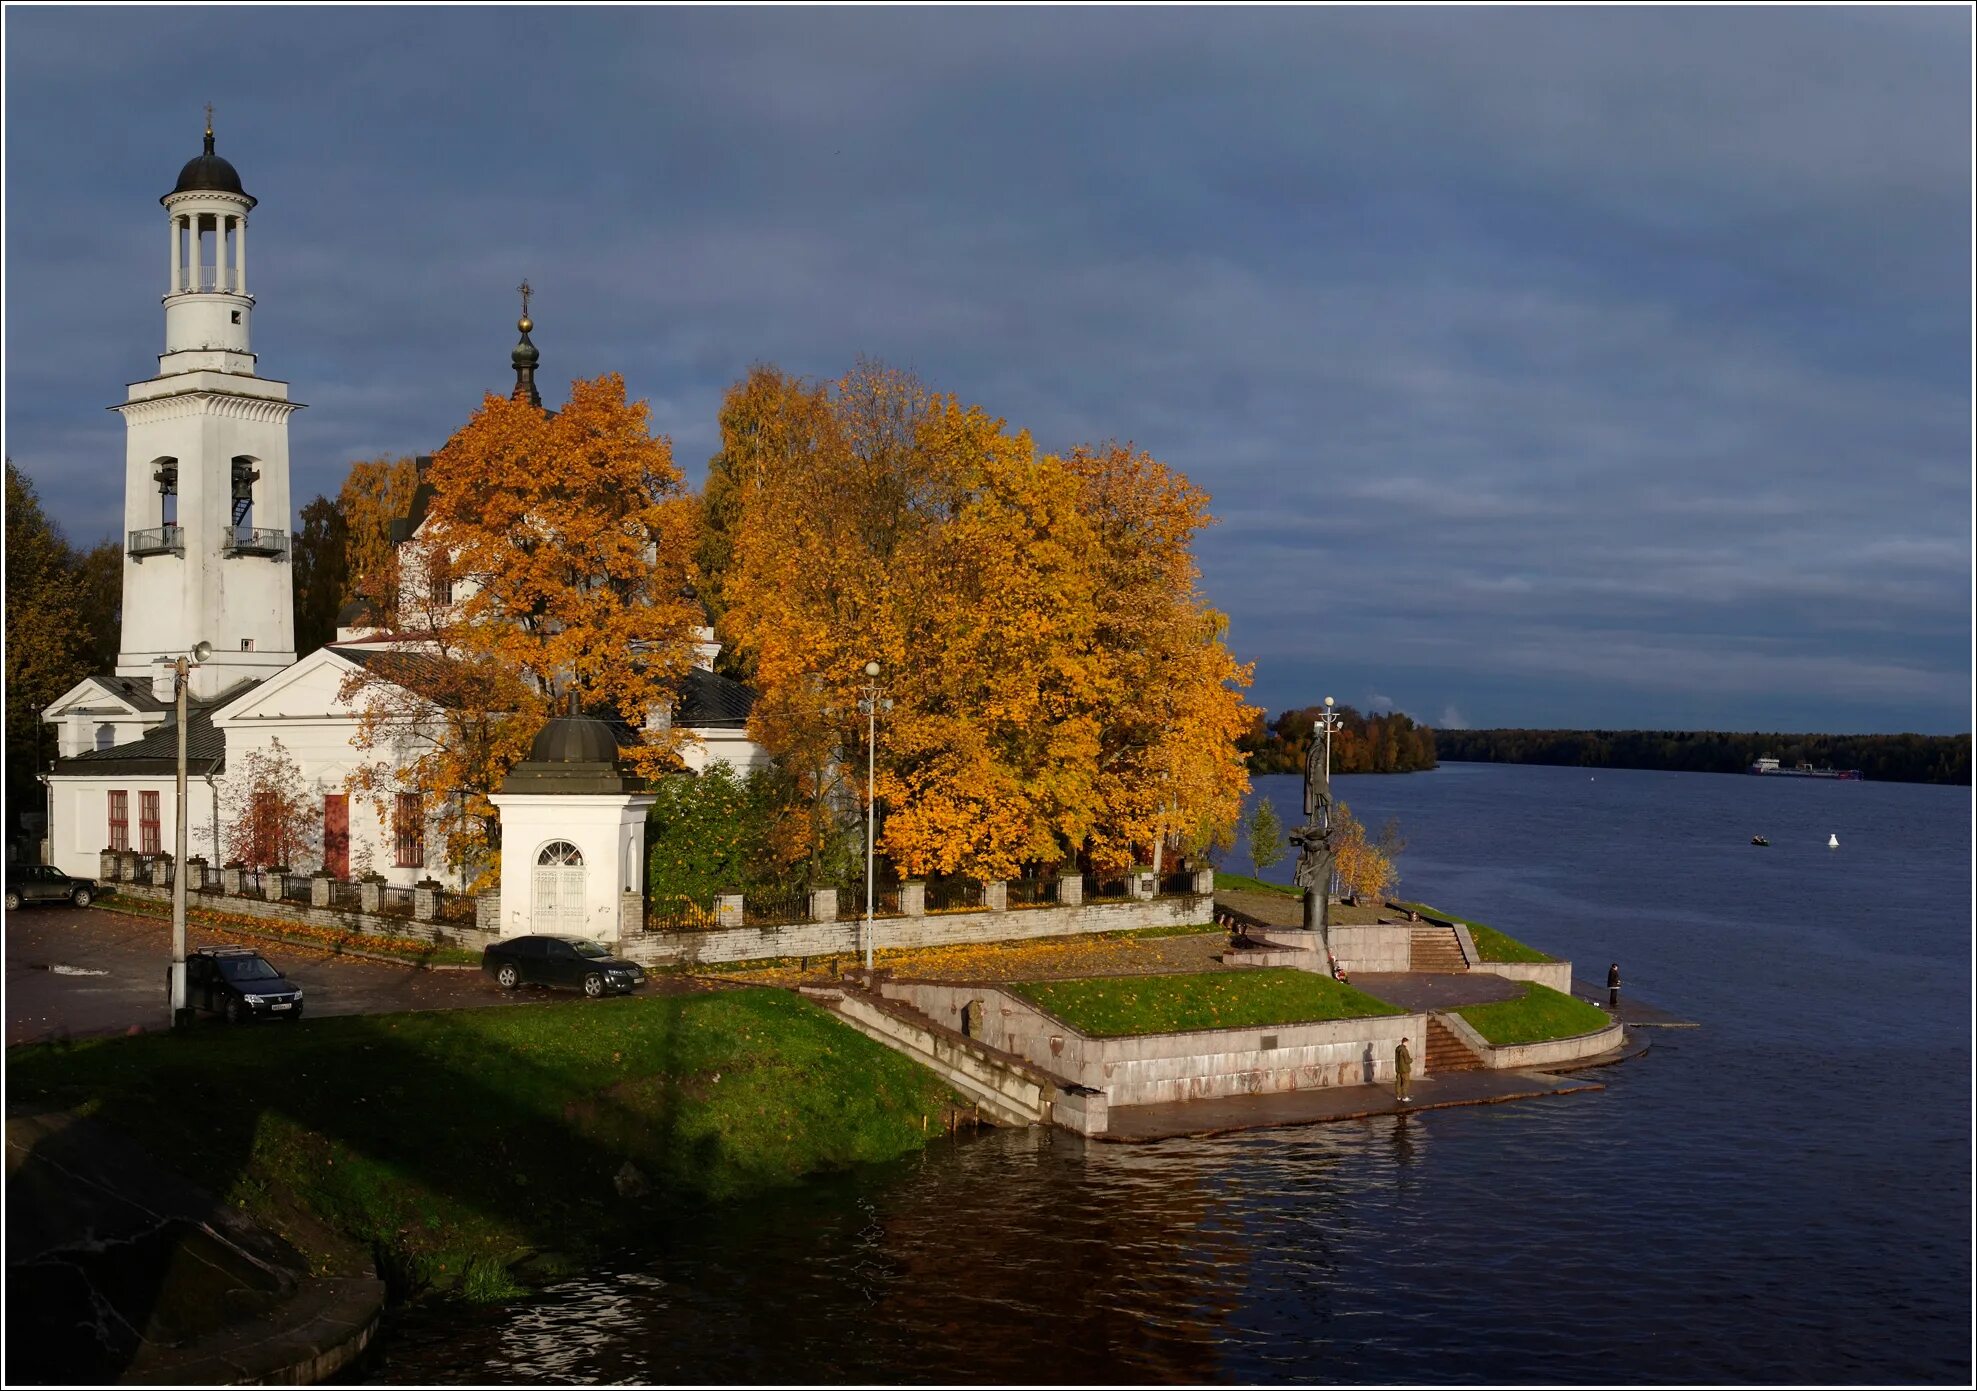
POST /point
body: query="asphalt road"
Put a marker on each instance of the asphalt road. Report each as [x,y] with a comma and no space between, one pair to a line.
[75,972]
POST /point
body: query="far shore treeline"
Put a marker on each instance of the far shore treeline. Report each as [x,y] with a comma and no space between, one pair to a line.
[1937,758]
[1391,743]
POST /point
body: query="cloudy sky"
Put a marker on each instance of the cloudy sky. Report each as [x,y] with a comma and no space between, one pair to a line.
[1587,368]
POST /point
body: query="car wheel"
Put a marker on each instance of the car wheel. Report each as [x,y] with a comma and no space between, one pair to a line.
[13,900]
[236,1012]
[81,897]
[593,985]
[507,977]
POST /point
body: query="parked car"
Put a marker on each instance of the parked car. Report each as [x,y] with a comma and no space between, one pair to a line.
[46,884]
[240,984]
[575,962]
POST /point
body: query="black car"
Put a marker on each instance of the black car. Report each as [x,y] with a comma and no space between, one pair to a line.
[576,962]
[46,884]
[241,984]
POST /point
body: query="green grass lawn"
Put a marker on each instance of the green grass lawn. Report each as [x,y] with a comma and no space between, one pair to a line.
[1244,881]
[1117,1006]
[459,1145]
[1491,945]
[1541,1014]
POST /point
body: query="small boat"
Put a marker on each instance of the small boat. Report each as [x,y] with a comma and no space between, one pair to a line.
[1833,841]
[1759,840]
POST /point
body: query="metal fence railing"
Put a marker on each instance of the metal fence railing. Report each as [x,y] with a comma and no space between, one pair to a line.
[398,902]
[1178,881]
[344,894]
[679,913]
[1030,893]
[851,900]
[954,895]
[1105,888]
[295,888]
[250,883]
[457,908]
[775,907]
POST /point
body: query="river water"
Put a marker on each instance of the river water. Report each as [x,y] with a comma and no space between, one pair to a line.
[1781,1195]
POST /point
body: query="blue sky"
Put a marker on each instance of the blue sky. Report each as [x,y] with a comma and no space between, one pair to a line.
[1581,368]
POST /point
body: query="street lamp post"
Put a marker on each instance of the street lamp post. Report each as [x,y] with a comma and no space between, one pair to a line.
[181,678]
[871,705]
[1332,722]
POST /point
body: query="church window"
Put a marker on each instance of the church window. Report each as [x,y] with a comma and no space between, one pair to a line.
[166,474]
[408,824]
[559,852]
[247,644]
[236,316]
[147,822]
[245,476]
[120,820]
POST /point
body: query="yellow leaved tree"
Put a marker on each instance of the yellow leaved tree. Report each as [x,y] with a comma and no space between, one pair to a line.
[554,560]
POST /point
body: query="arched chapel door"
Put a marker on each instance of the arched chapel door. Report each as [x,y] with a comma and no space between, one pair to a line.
[559,889]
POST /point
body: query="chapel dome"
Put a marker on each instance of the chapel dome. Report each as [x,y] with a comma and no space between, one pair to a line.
[575,739]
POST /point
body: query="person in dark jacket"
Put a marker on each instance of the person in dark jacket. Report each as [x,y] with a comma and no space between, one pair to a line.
[1403,1067]
[1613,986]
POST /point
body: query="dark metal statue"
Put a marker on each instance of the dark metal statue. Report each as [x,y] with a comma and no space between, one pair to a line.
[1313,841]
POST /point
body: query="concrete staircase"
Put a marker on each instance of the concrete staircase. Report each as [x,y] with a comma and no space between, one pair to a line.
[1010,1090]
[1435,949]
[1446,1052]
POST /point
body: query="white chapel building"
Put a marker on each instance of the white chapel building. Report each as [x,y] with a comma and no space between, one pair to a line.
[207,511]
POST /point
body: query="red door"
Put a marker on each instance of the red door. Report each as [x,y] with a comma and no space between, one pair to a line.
[336,835]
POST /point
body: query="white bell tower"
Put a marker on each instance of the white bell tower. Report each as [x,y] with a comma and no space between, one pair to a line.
[206,506]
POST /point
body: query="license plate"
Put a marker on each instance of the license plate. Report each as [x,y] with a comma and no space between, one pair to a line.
[283,1005]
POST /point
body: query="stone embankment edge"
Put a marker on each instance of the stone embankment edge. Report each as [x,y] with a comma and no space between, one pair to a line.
[333,1333]
[196,915]
[1551,1052]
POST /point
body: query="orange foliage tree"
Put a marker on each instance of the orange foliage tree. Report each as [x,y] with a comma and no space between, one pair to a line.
[554,559]
[1059,688]
[376,492]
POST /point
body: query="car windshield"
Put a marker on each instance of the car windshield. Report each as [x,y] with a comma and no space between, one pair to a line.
[586,947]
[247,968]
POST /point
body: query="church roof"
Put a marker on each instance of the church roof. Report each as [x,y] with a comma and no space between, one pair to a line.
[709,700]
[156,754]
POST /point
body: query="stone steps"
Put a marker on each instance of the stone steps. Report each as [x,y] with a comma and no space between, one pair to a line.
[1446,1052]
[1008,1091]
[1435,949]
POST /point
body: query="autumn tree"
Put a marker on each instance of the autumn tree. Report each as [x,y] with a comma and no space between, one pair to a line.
[554,560]
[1001,591]
[49,642]
[269,815]
[1265,832]
[1365,866]
[375,493]
[320,565]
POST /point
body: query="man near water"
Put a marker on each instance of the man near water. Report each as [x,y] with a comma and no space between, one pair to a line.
[1613,986]
[1403,1066]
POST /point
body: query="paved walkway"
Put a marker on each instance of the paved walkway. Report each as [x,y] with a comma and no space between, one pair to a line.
[1227,1115]
[1425,990]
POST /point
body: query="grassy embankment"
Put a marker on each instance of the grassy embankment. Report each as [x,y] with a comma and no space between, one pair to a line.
[1491,945]
[1541,1014]
[1224,880]
[350,942]
[479,1150]
[1116,1006]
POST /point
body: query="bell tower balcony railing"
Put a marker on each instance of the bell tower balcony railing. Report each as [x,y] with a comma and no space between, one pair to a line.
[158,540]
[254,540]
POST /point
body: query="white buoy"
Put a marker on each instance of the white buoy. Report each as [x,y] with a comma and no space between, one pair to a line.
[1832,842]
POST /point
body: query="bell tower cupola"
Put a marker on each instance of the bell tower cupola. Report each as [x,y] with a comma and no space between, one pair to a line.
[207,307]
[206,505]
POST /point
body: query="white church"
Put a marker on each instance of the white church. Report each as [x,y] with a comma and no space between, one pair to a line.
[207,559]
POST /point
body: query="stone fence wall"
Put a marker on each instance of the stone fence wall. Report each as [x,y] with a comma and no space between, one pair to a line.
[1548,1053]
[1556,974]
[1192,1066]
[444,934]
[729,944]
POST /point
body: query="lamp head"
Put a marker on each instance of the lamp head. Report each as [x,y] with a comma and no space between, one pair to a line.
[1328,702]
[201,651]
[872,669]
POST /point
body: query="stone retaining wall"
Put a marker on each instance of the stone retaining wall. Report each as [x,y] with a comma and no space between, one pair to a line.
[1556,974]
[1384,947]
[1549,1053]
[1191,1066]
[335,919]
[934,930]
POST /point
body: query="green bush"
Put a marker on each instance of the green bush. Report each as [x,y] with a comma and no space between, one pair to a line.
[710,833]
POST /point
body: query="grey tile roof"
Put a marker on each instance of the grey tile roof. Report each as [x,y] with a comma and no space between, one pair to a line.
[156,753]
[709,700]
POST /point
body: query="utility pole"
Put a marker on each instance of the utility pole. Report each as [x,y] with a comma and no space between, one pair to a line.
[181,678]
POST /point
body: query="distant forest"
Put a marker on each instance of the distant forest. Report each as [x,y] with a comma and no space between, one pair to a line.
[1882,757]
[1363,743]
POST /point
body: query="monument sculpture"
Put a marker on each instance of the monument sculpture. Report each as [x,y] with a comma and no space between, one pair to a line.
[1313,840]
